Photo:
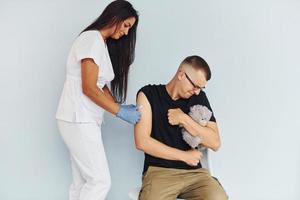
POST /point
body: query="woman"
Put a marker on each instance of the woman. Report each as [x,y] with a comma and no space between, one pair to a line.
[101,54]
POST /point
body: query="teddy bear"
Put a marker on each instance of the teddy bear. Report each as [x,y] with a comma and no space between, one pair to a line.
[200,114]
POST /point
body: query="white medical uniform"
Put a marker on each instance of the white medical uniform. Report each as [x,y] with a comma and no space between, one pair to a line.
[79,119]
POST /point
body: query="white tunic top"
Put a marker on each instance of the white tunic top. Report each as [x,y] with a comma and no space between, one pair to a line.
[74,106]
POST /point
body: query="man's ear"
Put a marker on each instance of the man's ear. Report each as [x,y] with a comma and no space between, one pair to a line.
[180,74]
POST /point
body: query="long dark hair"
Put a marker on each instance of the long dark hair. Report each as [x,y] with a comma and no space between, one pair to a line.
[121,51]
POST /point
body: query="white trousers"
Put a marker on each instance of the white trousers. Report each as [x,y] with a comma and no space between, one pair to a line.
[91,177]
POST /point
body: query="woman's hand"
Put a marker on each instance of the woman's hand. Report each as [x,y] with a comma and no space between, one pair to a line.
[129,113]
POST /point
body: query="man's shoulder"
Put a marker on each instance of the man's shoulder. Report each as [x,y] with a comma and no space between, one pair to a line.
[149,88]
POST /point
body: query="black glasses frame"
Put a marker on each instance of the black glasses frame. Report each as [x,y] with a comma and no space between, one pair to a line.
[193,84]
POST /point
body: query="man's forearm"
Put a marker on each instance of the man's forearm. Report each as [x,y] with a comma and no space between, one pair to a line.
[160,150]
[210,138]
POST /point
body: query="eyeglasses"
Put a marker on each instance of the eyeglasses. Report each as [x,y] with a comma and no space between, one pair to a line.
[194,85]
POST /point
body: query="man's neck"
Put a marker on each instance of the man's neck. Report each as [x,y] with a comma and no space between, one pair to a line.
[172,91]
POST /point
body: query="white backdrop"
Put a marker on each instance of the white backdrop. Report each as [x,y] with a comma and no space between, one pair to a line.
[252,48]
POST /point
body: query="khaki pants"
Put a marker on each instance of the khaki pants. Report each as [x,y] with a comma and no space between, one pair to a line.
[168,184]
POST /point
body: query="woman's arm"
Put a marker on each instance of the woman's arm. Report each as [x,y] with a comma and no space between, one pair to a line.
[89,76]
[108,93]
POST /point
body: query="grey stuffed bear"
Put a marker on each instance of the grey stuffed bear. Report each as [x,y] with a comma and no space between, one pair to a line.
[200,114]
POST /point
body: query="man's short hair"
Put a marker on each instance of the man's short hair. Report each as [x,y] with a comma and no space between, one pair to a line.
[198,63]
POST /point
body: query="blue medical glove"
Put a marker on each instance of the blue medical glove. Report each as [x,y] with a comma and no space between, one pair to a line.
[129,113]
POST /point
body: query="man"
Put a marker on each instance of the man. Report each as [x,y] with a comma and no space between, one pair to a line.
[172,168]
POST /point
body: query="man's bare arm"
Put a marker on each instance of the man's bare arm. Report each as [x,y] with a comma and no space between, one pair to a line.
[209,134]
[151,146]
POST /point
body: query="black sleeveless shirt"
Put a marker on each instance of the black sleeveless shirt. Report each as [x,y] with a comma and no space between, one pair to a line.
[164,132]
